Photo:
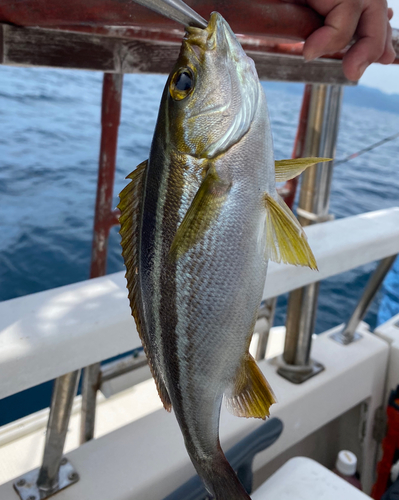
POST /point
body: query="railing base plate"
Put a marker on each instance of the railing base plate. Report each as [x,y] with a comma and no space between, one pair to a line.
[297,376]
[341,339]
[27,488]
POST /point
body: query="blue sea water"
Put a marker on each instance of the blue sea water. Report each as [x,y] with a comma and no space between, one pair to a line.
[49,145]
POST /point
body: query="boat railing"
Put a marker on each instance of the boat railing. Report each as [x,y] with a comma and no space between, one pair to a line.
[51,333]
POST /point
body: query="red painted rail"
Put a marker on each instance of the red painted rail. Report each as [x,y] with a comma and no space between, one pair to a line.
[255,17]
[105,217]
[258,20]
[288,191]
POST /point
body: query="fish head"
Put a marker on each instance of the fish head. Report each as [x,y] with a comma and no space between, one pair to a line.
[212,92]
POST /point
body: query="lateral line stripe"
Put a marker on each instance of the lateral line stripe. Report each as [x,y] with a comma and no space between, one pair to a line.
[168,304]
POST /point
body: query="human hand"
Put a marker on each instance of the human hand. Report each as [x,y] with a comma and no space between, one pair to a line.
[367,21]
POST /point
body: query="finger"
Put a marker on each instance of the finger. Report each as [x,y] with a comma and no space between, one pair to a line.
[339,27]
[389,54]
[390,13]
[372,34]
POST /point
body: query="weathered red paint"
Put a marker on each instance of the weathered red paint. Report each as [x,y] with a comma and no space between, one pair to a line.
[104,217]
[289,189]
[270,17]
[258,20]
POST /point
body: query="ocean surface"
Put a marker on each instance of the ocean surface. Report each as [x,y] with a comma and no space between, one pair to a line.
[49,146]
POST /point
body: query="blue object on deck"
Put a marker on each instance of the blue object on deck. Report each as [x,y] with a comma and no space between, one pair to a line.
[240,456]
[390,299]
[392,493]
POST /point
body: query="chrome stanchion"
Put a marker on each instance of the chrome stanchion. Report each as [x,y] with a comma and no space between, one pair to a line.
[321,137]
[266,317]
[56,472]
[91,381]
[348,333]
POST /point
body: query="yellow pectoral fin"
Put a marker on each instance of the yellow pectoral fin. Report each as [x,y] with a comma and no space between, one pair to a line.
[251,396]
[285,239]
[288,169]
[204,209]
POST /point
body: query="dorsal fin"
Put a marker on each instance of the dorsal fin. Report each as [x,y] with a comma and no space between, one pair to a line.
[251,395]
[130,207]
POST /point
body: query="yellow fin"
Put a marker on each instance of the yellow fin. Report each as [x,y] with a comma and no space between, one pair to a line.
[288,169]
[203,210]
[252,395]
[130,207]
[286,241]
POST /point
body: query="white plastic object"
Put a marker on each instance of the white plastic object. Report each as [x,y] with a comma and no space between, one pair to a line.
[346,463]
[304,479]
[395,471]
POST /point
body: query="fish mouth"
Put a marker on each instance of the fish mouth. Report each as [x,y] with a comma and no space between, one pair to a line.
[210,37]
[216,36]
[216,22]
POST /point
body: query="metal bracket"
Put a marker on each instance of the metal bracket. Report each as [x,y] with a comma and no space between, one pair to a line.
[299,374]
[343,339]
[27,488]
[314,217]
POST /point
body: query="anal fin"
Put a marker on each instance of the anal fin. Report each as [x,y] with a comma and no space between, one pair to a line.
[251,395]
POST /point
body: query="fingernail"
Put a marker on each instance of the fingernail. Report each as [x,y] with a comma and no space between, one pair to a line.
[362,68]
[311,55]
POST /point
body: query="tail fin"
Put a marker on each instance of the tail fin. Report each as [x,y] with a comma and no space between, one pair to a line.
[222,482]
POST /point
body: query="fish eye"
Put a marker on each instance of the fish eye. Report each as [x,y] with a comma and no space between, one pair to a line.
[182,84]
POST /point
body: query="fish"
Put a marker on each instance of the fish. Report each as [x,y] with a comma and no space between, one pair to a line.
[199,221]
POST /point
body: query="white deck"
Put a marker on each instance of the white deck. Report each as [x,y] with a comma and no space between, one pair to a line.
[146,460]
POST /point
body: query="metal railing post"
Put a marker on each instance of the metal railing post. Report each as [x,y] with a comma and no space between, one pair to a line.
[90,386]
[268,309]
[64,391]
[104,219]
[266,314]
[348,334]
[321,137]
[56,472]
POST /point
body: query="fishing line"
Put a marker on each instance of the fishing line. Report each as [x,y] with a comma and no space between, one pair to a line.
[369,148]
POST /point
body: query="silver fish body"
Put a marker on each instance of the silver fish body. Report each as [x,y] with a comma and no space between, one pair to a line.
[201,310]
[199,239]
